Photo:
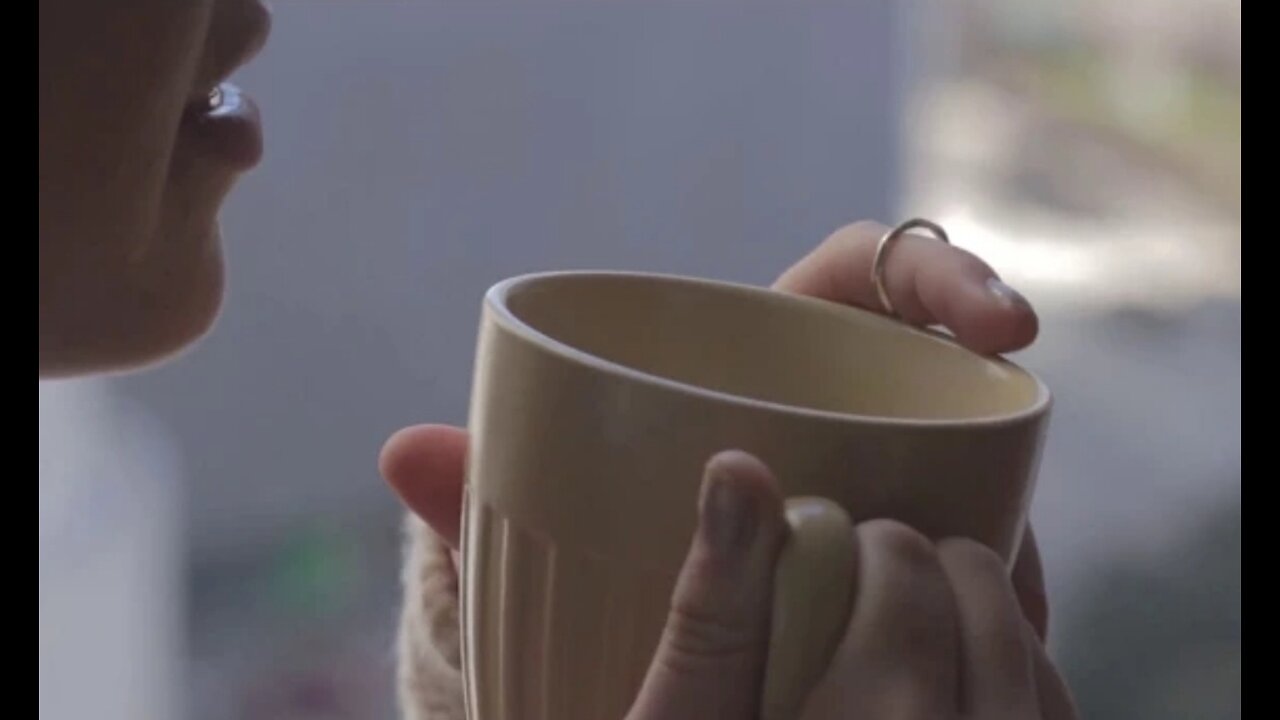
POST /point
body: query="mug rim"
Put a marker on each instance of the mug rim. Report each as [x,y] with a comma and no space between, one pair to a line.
[497,296]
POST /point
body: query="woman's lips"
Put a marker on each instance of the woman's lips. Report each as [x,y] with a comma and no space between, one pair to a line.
[227,125]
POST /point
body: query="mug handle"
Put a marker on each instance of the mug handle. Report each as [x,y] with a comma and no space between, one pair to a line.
[812,591]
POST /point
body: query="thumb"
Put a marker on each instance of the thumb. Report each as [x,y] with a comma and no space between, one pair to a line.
[711,658]
[425,465]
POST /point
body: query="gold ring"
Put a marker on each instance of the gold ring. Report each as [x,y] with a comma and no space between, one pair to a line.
[882,254]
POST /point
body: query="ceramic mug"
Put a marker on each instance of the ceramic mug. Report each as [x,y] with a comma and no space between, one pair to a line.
[598,399]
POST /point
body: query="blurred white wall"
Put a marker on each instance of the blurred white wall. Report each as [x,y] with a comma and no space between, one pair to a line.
[112,552]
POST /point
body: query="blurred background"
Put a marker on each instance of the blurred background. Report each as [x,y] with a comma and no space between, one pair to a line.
[215,541]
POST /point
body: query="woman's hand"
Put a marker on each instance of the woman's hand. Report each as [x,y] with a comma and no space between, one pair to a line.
[935,631]
[931,634]
[929,282]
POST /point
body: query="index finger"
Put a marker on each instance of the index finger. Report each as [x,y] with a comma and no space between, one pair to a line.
[929,282]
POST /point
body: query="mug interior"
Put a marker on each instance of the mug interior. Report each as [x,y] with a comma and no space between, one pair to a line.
[765,346]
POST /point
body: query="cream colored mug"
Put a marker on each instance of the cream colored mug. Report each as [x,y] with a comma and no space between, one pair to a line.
[597,400]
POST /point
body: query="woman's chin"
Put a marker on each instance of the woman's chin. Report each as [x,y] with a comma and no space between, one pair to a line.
[126,328]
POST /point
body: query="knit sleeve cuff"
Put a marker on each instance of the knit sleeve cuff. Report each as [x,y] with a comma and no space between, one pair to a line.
[429,678]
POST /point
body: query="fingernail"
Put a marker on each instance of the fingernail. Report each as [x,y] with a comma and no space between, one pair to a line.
[729,521]
[1004,293]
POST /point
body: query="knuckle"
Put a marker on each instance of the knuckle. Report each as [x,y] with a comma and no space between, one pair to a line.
[913,696]
[899,543]
[862,232]
[971,557]
[696,636]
